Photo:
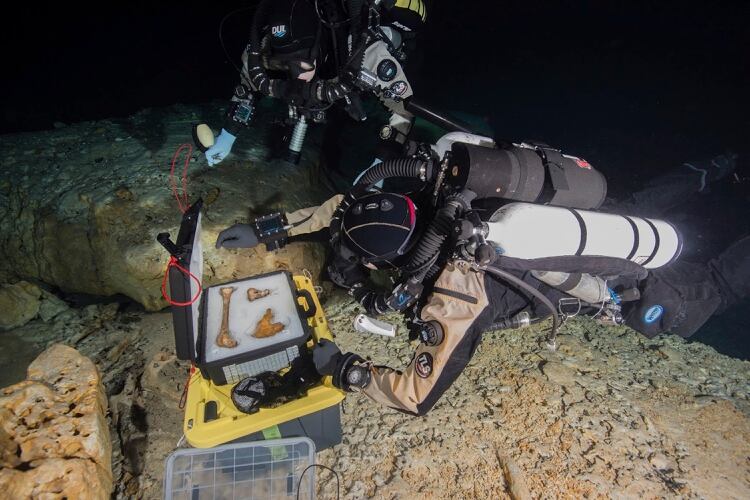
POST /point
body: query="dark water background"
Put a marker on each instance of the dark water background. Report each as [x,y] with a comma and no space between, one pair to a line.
[634,87]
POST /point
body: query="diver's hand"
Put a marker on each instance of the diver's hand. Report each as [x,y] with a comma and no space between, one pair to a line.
[328,92]
[347,370]
[326,356]
[221,148]
[237,236]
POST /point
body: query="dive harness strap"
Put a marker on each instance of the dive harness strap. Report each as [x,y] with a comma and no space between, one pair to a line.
[554,175]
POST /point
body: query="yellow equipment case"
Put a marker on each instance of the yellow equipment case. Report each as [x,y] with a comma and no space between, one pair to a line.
[211,417]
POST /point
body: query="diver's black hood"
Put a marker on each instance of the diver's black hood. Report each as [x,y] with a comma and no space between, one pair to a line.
[379,227]
[293,29]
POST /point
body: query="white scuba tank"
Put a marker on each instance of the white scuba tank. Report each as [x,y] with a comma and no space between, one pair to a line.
[530,231]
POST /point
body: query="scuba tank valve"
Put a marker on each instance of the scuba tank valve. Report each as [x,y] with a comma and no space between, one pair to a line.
[297,140]
[586,287]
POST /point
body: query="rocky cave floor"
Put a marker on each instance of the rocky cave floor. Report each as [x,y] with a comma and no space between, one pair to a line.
[610,413]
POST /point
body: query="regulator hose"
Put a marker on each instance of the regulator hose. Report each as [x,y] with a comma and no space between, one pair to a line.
[355,15]
[432,240]
[400,167]
[257,74]
[504,275]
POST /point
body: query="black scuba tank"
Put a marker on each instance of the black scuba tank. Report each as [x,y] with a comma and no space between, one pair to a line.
[526,172]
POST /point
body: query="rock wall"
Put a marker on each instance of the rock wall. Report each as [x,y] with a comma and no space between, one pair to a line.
[80,206]
[54,436]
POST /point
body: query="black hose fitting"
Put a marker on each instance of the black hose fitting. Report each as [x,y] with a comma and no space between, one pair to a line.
[402,167]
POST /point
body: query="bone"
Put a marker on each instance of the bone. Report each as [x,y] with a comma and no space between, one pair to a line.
[225,338]
[266,327]
[255,294]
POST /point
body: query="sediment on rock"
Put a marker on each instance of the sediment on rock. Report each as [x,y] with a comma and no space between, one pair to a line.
[86,202]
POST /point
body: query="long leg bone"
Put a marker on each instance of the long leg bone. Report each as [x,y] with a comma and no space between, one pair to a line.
[225,339]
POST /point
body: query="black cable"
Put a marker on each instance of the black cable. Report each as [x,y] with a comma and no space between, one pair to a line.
[327,23]
[221,34]
[533,291]
[338,483]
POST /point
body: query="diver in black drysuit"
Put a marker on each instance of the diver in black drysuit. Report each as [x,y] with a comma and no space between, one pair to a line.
[461,301]
[687,293]
[680,297]
[319,55]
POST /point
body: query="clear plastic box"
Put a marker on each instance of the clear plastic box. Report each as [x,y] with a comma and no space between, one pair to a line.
[255,470]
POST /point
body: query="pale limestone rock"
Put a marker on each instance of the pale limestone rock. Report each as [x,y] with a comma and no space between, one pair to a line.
[53,430]
[55,479]
[51,307]
[19,304]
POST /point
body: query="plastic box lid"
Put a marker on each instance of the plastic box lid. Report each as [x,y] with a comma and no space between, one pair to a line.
[256,470]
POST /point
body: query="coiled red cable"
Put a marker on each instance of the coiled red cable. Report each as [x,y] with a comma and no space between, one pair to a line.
[182,200]
[183,204]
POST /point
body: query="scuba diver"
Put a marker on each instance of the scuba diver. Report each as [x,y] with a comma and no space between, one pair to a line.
[315,54]
[463,269]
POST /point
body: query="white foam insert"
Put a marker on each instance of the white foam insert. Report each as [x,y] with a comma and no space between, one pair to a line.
[245,315]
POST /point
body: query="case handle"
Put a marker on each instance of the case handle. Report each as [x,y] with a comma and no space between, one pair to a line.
[312,309]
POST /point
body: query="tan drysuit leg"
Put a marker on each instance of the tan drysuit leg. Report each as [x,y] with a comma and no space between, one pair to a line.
[458,298]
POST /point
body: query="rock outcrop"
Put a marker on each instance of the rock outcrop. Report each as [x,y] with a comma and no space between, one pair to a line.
[23,301]
[80,206]
[54,434]
[19,304]
[610,414]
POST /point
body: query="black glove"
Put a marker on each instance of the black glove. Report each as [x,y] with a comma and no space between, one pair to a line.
[326,356]
[372,300]
[346,373]
[328,92]
[237,236]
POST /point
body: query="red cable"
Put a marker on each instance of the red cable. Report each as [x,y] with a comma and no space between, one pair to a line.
[183,398]
[174,263]
[182,202]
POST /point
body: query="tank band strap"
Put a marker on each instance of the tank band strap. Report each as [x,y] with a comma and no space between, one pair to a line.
[584,232]
[636,237]
[570,282]
[657,242]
